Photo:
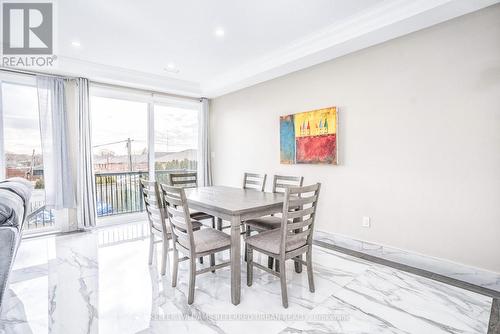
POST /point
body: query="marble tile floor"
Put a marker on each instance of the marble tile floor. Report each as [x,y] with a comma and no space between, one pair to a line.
[100,282]
[455,271]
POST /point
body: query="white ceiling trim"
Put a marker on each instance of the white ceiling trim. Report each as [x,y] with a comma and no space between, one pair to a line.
[126,77]
[357,32]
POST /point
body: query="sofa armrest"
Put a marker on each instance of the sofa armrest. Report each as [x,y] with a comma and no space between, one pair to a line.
[9,242]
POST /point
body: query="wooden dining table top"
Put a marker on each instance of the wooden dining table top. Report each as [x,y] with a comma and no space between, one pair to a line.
[231,200]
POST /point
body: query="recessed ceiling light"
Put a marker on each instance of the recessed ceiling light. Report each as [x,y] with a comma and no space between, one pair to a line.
[219,32]
[76,44]
[172,68]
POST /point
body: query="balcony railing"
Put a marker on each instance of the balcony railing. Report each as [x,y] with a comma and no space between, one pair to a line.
[40,216]
[116,193]
[119,192]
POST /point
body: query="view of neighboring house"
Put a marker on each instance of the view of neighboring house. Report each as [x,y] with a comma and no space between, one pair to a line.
[24,165]
[107,161]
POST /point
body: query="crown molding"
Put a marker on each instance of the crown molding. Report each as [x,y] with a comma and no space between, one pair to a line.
[125,77]
[386,21]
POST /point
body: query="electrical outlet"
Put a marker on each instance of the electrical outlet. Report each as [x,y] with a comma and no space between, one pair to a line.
[366,221]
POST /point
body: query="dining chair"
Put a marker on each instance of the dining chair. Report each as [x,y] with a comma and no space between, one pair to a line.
[189,180]
[250,181]
[280,184]
[193,244]
[159,228]
[293,238]
[254,181]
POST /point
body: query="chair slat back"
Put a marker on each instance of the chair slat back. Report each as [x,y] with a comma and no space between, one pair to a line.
[153,205]
[282,182]
[183,180]
[177,210]
[254,181]
[299,211]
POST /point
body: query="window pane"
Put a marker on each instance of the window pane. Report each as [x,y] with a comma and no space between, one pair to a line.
[176,140]
[120,151]
[119,135]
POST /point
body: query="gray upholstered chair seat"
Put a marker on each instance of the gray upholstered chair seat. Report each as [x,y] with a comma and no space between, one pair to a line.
[193,244]
[291,240]
[207,239]
[198,215]
[269,241]
[264,223]
[157,226]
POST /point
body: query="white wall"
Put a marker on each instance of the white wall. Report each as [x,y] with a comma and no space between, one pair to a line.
[419,139]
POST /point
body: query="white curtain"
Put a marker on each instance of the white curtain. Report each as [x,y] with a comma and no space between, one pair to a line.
[204,164]
[2,154]
[86,208]
[58,179]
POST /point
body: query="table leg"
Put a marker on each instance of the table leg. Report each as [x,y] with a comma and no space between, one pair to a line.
[235,260]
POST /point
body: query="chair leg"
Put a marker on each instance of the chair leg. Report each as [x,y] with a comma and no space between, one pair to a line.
[270,262]
[201,260]
[175,268]
[310,270]
[249,253]
[192,279]
[219,224]
[213,222]
[298,265]
[212,261]
[247,234]
[284,294]
[164,256]
[151,248]
[277,265]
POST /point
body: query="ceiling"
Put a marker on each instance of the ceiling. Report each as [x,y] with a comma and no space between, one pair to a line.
[134,42]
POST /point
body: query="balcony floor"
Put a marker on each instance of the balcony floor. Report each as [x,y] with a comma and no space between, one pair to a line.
[100,282]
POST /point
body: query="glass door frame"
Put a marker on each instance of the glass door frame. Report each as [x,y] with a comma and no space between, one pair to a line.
[152,99]
[167,102]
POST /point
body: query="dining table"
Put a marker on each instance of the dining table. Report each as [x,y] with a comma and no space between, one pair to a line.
[234,205]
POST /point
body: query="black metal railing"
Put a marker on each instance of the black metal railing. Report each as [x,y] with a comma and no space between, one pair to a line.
[119,192]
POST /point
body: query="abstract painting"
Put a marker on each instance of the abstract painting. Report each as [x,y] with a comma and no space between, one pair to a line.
[309,137]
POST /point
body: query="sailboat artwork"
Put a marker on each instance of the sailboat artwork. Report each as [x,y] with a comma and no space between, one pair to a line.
[309,137]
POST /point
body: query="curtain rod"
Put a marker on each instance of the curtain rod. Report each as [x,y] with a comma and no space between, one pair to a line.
[35,73]
[146,91]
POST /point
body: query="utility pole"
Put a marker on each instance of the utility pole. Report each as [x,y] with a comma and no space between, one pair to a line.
[129,152]
[32,165]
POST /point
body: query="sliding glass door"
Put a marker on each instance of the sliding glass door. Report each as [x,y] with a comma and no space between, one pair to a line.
[137,135]
[21,151]
[120,153]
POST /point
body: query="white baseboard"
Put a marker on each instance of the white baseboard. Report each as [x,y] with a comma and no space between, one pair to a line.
[480,277]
